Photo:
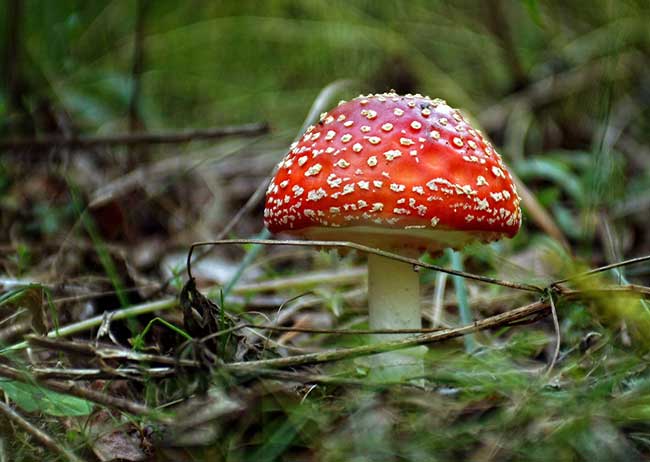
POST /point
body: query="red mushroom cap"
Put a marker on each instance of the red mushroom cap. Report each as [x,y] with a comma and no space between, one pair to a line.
[396,172]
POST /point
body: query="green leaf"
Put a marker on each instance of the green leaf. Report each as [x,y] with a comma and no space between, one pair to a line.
[534,12]
[32,398]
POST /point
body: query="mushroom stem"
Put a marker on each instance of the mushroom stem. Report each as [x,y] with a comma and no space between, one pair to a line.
[394,303]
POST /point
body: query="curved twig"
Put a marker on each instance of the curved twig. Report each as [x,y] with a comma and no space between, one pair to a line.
[362,248]
[600,269]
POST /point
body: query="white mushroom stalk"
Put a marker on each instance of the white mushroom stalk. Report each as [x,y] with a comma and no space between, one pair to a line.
[394,303]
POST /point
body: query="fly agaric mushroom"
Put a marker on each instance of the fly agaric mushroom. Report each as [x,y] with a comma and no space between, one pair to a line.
[399,173]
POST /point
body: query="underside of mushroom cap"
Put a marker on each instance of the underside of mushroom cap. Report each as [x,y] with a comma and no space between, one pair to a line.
[407,242]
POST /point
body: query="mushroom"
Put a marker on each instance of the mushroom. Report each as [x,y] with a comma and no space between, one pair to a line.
[401,173]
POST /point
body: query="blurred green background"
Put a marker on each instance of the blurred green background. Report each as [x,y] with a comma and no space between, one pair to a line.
[224,61]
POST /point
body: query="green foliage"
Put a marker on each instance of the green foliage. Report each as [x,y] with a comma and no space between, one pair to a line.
[23,258]
[100,247]
[237,61]
[33,398]
[138,342]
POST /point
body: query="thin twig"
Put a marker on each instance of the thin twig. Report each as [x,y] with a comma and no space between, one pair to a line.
[310,330]
[558,336]
[43,373]
[600,269]
[130,139]
[498,320]
[160,172]
[43,438]
[632,289]
[321,379]
[366,249]
[103,351]
[337,276]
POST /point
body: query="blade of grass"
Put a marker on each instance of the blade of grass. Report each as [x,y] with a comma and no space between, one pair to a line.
[438,299]
[90,323]
[249,258]
[138,340]
[464,309]
[100,247]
